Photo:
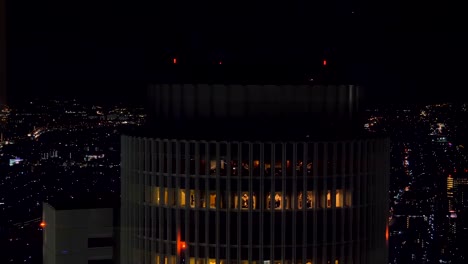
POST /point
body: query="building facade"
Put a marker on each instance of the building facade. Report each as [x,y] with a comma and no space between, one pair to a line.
[251,201]
[77,236]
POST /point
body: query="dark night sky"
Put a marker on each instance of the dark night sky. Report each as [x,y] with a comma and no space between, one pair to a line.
[95,48]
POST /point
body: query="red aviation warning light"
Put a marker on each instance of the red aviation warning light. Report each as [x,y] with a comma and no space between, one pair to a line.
[181,251]
[324,62]
[220,62]
[387,235]
[174,60]
[181,246]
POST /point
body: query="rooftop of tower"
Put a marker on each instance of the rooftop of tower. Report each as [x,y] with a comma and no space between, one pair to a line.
[321,72]
[253,102]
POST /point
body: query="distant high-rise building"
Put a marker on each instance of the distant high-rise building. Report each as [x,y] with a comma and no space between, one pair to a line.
[254,174]
[80,234]
[461,192]
[2,52]
[450,198]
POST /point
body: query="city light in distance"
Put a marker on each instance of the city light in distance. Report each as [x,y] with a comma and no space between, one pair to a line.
[42,224]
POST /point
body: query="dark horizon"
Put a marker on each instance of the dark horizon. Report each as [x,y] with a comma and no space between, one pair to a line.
[2,53]
[73,49]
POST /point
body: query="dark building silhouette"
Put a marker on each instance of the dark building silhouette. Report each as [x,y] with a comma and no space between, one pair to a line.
[237,169]
[2,52]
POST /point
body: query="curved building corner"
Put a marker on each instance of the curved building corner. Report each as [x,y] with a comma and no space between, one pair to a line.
[215,200]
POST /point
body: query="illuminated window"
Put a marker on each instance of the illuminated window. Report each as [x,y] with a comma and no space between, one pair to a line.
[192,198]
[212,200]
[339,198]
[329,201]
[348,199]
[245,201]
[155,195]
[256,163]
[183,198]
[299,200]
[166,260]
[166,198]
[212,164]
[310,200]
[277,202]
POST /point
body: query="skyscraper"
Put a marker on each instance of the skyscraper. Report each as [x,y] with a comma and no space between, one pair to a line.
[254,174]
